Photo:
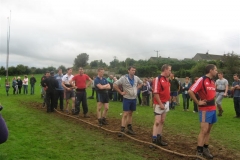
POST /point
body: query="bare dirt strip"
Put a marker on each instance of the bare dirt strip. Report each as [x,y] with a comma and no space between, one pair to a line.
[176,143]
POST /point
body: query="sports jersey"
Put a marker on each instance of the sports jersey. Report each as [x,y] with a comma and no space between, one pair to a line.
[102,81]
[161,86]
[66,78]
[80,80]
[205,87]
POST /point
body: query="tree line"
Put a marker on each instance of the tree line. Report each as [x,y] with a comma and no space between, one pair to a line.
[229,65]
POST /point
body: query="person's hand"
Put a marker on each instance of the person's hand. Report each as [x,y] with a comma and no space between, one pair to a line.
[123,93]
[202,102]
[162,107]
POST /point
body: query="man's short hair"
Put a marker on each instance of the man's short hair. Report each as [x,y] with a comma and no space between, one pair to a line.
[209,67]
[236,75]
[69,68]
[220,72]
[80,68]
[131,67]
[99,69]
[164,67]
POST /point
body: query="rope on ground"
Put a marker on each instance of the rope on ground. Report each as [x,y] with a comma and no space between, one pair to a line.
[144,142]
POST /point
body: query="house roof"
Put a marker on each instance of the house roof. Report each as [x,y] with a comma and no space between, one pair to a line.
[207,56]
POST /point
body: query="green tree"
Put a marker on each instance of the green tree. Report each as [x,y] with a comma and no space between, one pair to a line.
[81,60]
[199,69]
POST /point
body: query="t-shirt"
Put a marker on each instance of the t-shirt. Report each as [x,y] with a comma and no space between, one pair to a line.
[80,80]
[162,87]
[129,85]
[236,91]
[205,87]
[102,81]
[221,84]
[66,78]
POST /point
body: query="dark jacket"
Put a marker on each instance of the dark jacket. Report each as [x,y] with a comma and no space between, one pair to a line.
[33,80]
[19,82]
[185,88]
[51,83]
[174,85]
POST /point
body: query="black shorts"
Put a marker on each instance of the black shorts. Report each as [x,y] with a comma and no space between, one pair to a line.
[103,97]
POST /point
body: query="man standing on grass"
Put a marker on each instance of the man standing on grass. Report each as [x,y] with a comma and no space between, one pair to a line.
[59,90]
[222,90]
[236,95]
[32,82]
[81,94]
[161,91]
[69,90]
[51,84]
[174,91]
[206,89]
[102,86]
[130,84]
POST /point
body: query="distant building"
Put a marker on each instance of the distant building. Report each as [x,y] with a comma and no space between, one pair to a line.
[161,58]
[207,57]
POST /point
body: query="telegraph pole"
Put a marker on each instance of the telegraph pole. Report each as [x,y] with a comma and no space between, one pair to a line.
[157,52]
[8,42]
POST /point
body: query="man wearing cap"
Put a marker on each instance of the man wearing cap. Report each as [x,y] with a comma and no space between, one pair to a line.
[81,94]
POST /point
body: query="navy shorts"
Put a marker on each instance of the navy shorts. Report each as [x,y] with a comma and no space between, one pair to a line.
[174,94]
[129,104]
[103,97]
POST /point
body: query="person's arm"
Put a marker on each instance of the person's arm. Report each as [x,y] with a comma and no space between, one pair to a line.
[157,98]
[115,86]
[89,82]
[194,98]
[226,89]
[106,86]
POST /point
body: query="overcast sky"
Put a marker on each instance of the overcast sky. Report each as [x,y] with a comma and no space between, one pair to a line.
[53,32]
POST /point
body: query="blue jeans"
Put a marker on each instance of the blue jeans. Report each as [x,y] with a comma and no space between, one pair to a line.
[25,89]
[32,88]
[185,101]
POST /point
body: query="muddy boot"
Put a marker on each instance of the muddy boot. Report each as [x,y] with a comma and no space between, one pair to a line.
[220,112]
[199,154]
[120,134]
[104,121]
[130,131]
[154,141]
[160,142]
[207,153]
[100,122]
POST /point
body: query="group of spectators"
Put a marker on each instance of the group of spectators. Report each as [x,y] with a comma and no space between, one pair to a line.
[163,90]
[18,84]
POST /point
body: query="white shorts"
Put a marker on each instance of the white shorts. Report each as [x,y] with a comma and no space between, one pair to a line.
[158,110]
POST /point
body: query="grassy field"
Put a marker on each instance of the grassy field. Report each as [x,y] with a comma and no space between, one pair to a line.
[34,135]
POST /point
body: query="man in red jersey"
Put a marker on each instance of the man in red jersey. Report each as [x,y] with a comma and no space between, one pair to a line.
[81,94]
[206,89]
[161,91]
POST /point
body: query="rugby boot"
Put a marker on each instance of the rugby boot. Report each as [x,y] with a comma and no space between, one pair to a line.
[100,122]
[130,131]
[160,142]
[104,121]
[199,154]
[207,153]
[220,112]
[154,141]
[120,134]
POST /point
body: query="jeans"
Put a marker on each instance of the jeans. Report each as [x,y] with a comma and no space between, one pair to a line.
[81,96]
[185,101]
[236,101]
[32,88]
[25,89]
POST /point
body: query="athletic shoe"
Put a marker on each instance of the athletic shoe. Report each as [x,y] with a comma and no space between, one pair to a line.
[160,142]
[104,122]
[199,154]
[86,116]
[130,131]
[207,153]
[73,111]
[100,122]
